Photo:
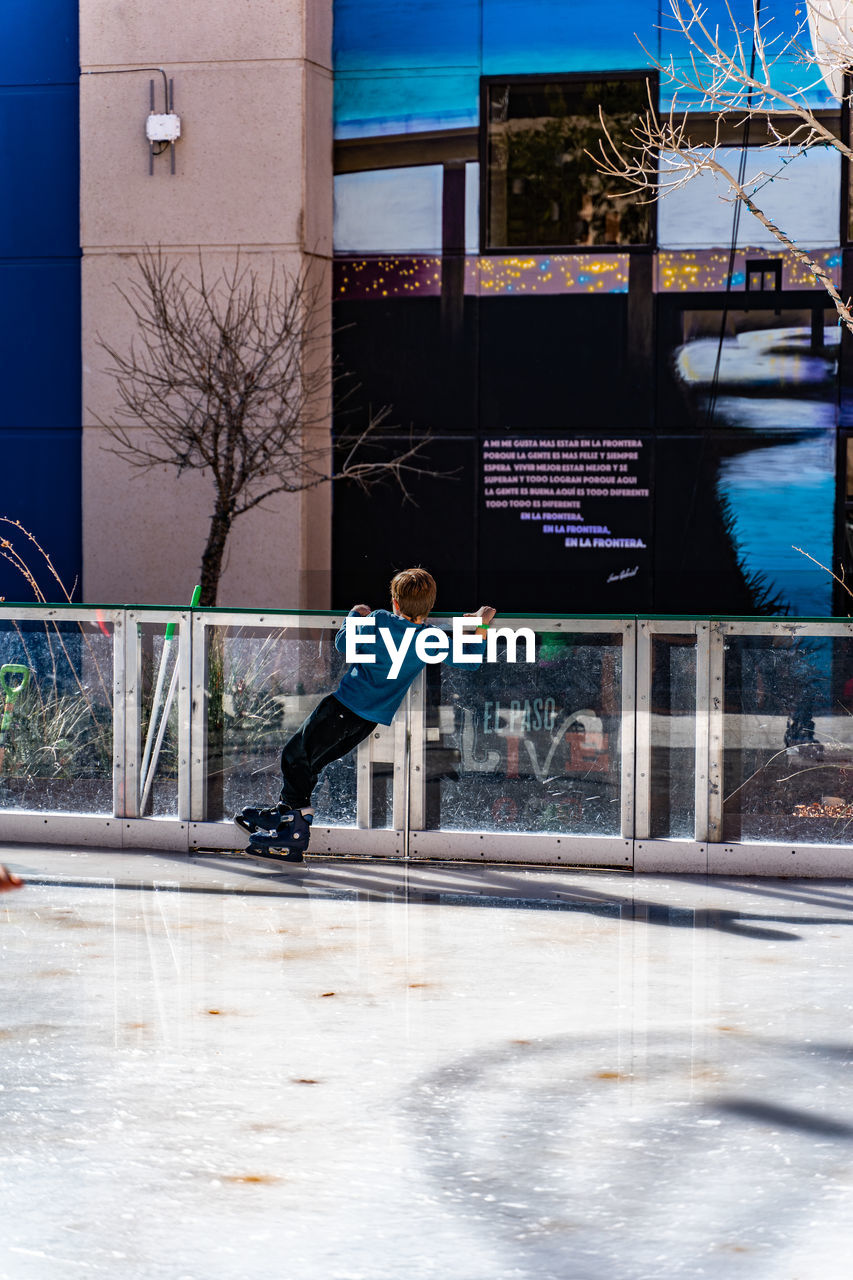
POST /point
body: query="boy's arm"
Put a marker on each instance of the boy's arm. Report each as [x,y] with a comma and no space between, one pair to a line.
[357,611]
[485,613]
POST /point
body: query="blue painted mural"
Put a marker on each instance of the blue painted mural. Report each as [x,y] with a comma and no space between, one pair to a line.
[40,423]
[738,408]
[415,64]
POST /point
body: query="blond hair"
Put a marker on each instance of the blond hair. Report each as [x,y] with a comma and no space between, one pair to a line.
[414,590]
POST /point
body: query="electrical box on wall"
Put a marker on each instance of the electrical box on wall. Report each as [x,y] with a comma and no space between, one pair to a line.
[163,128]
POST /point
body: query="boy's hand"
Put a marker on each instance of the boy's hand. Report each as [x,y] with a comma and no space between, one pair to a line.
[485,613]
[362,609]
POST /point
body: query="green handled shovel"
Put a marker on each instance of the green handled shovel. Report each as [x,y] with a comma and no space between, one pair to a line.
[14,678]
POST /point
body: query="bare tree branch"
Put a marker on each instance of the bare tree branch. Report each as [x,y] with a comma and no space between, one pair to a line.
[231,376]
[737,79]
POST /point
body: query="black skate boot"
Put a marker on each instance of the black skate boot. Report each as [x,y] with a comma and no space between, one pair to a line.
[263,820]
[287,843]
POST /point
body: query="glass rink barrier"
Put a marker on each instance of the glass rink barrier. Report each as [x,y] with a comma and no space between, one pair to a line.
[669,744]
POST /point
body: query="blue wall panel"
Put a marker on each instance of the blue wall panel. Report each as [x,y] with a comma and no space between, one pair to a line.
[38,41]
[40,428]
[40,487]
[39,161]
[40,333]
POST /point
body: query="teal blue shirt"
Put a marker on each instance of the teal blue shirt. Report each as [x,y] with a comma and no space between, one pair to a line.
[366,687]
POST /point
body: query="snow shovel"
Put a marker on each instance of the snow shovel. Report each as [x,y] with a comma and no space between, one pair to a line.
[14,678]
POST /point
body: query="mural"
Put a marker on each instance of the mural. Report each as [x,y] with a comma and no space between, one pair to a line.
[414,65]
[629,411]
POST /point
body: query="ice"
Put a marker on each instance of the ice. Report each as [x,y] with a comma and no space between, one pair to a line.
[446,1073]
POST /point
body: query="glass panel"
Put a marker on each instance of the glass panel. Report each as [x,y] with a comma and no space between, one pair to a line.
[56,749]
[261,686]
[528,748]
[788,765]
[673,729]
[158,773]
[544,188]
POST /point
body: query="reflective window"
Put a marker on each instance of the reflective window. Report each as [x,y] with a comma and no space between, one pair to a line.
[261,685]
[56,743]
[544,189]
[673,733]
[528,747]
[788,739]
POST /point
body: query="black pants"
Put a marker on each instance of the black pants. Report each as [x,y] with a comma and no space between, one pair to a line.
[330,732]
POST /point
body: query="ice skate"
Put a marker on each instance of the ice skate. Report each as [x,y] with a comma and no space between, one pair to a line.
[263,820]
[286,843]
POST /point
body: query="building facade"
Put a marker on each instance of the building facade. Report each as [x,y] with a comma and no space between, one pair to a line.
[620,407]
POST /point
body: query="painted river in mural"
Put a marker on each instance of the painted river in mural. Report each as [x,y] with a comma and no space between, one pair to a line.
[781,493]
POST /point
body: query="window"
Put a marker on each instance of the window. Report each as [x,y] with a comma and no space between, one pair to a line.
[541,187]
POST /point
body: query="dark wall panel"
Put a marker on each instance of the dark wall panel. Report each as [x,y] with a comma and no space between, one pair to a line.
[378,532]
[40,335]
[40,413]
[554,363]
[38,41]
[39,160]
[401,356]
[40,487]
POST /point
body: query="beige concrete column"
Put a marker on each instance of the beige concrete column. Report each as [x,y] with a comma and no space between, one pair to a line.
[253,88]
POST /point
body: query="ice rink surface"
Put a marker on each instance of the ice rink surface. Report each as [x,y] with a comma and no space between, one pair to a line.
[363,1071]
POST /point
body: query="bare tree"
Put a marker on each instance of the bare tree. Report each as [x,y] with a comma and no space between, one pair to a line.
[231,377]
[737,78]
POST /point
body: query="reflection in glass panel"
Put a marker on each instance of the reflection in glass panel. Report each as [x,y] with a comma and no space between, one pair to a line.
[788,769]
[57,680]
[262,684]
[544,189]
[673,733]
[806,204]
[528,747]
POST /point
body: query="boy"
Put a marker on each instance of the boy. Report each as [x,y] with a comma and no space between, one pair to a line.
[365,697]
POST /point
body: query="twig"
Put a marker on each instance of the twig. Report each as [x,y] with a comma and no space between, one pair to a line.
[826,569]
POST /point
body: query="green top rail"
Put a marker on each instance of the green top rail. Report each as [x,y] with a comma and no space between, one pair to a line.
[13,607]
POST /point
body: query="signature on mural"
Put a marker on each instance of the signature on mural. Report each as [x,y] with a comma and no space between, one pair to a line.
[625,573]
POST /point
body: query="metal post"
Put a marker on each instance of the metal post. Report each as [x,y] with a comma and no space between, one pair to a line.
[413,761]
[716,712]
[133,716]
[629,706]
[185,716]
[702,731]
[643,735]
[120,781]
[198,721]
[364,784]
